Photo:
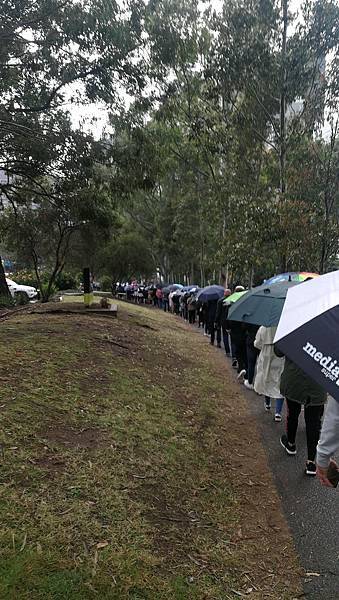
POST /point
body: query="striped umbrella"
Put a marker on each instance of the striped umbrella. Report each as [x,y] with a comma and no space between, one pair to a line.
[292,276]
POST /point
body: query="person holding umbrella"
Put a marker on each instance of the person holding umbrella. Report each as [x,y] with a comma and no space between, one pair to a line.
[252,354]
[209,296]
[328,444]
[260,306]
[269,370]
[211,312]
[300,390]
[159,296]
[220,321]
[307,335]
[191,307]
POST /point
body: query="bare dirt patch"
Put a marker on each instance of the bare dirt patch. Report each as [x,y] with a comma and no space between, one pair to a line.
[89,438]
[51,463]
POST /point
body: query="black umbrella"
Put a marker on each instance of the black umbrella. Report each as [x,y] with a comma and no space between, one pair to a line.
[211,292]
[308,331]
[261,305]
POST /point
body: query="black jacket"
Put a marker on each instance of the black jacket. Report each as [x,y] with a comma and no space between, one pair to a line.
[251,332]
[238,332]
[219,311]
[211,310]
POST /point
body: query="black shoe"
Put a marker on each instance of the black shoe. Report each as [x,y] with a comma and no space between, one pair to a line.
[218,345]
[290,448]
[235,364]
[311,468]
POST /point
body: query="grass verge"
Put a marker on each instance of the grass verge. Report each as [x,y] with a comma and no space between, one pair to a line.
[130,469]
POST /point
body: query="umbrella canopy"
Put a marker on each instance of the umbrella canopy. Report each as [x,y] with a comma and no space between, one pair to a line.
[308,330]
[262,305]
[210,292]
[190,288]
[178,292]
[292,276]
[172,288]
[234,297]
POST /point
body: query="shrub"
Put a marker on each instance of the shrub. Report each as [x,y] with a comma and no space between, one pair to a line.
[7,302]
[106,283]
[64,281]
[21,298]
[67,281]
[43,290]
[25,277]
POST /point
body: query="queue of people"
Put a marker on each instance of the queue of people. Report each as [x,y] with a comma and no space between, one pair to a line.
[140,293]
[262,368]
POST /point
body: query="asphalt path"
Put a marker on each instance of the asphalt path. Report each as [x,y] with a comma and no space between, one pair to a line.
[312,511]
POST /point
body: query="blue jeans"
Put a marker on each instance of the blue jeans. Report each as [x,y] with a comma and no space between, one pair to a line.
[278,404]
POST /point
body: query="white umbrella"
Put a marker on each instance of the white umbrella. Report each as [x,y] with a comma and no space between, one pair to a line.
[308,330]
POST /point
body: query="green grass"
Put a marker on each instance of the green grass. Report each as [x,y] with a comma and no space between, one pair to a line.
[115,479]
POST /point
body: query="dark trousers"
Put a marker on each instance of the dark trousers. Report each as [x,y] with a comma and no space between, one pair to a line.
[241,356]
[191,317]
[312,416]
[211,330]
[252,355]
[223,335]
[226,342]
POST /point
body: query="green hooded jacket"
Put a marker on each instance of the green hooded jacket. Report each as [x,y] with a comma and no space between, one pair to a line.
[299,387]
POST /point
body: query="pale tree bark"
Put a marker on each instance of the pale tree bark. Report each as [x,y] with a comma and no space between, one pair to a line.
[4,291]
[282,140]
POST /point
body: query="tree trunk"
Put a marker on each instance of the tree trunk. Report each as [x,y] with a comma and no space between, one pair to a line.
[251,277]
[4,291]
[282,145]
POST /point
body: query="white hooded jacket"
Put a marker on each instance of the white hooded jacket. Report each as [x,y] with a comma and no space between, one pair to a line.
[269,366]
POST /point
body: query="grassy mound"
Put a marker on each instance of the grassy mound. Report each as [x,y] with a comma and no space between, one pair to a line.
[130,468]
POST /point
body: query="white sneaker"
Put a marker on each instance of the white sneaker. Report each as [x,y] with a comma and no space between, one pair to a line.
[277,417]
[241,374]
[248,385]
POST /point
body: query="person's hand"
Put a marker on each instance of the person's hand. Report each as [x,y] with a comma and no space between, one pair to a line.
[322,476]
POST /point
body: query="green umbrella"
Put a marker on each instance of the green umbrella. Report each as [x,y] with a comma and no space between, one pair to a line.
[234,297]
[261,305]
